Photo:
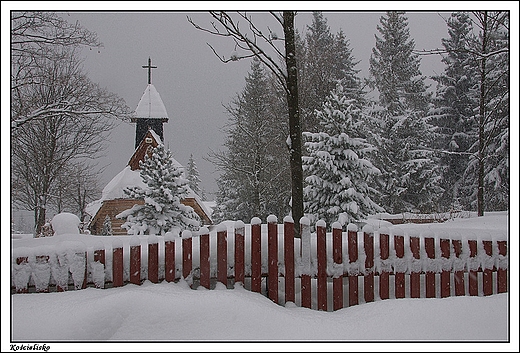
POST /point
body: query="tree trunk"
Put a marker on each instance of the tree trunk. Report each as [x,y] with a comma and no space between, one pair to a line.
[294,121]
[482,115]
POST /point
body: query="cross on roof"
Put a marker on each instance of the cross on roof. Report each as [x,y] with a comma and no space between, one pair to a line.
[149,67]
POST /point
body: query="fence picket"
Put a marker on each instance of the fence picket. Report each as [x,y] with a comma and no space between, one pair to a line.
[446,272]
[368,278]
[135,264]
[415,273]
[502,267]
[169,259]
[272,258]
[321,249]
[458,274]
[256,255]
[487,276]
[117,266]
[337,258]
[153,260]
[399,271]
[205,261]
[353,273]
[222,256]
[288,231]
[384,276]
[306,263]
[187,251]
[239,251]
[473,268]
[429,245]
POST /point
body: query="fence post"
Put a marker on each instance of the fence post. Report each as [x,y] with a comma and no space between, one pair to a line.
[321,252]
[429,246]
[22,274]
[222,254]
[353,257]
[117,263]
[458,274]
[337,258]
[368,277]
[487,276]
[85,276]
[473,268]
[153,259]
[446,272]
[205,259]
[187,257]
[384,276]
[272,258]
[41,273]
[169,257]
[415,273]
[99,259]
[256,255]
[305,232]
[288,238]
[502,267]
[239,252]
[400,266]
[135,260]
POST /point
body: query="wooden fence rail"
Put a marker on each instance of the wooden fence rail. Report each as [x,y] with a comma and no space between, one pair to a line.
[325,271]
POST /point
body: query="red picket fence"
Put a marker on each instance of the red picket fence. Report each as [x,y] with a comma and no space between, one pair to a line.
[332,271]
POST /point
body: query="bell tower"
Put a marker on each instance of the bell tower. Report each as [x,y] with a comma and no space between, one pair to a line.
[150,112]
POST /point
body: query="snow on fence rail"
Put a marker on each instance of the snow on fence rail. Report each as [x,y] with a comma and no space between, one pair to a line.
[324,271]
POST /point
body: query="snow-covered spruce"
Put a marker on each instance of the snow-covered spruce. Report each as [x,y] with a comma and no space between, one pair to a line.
[165,188]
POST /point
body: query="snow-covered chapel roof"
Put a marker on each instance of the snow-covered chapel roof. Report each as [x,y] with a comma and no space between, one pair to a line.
[151,105]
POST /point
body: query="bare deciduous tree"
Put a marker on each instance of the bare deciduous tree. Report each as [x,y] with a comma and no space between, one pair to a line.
[250,41]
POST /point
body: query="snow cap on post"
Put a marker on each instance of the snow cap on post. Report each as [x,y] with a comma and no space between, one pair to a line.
[304,221]
[116,243]
[288,219]
[321,223]
[221,227]
[272,219]
[239,224]
[134,241]
[256,220]
[351,227]
[203,231]
[336,225]
[153,239]
[186,234]
[368,229]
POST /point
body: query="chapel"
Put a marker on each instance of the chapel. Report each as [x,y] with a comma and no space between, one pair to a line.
[150,115]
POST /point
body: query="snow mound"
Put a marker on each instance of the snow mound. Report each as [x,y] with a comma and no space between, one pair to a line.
[65,223]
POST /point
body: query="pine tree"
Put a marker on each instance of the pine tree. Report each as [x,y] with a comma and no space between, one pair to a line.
[107,227]
[411,176]
[339,171]
[192,174]
[251,184]
[163,210]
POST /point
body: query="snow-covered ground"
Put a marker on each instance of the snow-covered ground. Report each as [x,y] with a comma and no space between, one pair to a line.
[85,320]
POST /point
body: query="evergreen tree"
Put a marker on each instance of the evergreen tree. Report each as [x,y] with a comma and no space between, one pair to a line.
[489,164]
[192,174]
[339,171]
[163,210]
[453,110]
[107,227]
[411,176]
[326,59]
[251,184]
[395,68]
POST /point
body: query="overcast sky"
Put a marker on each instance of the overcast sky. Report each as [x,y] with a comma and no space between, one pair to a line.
[194,84]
